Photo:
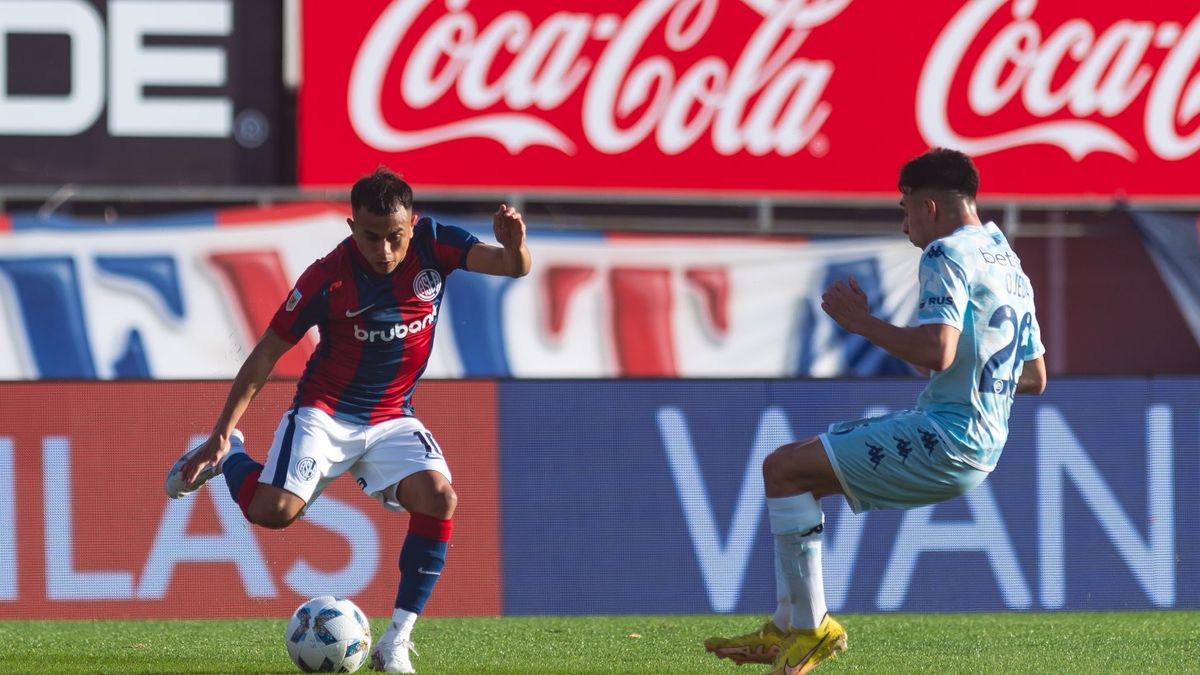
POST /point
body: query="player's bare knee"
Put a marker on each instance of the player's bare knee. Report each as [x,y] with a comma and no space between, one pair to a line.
[427,492]
[772,466]
[443,502]
[776,474]
[271,514]
[784,471]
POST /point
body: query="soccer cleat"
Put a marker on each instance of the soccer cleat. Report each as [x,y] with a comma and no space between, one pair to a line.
[175,486]
[391,653]
[761,646]
[804,650]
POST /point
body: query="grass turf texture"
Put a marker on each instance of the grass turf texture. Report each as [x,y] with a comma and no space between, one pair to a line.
[1142,642]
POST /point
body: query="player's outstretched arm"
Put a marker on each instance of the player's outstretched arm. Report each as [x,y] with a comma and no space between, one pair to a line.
[929,347]
[511,258]
[1033,377]
[249,381]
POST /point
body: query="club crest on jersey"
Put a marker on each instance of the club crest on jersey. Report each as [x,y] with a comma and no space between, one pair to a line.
[293,299]
[428,284]
[306,469]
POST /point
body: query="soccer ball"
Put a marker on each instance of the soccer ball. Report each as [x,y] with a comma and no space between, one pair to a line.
[328,635]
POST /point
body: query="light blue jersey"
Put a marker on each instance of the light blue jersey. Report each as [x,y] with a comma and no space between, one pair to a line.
[973,281]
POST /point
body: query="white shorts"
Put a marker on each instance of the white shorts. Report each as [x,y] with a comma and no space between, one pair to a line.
[311,449]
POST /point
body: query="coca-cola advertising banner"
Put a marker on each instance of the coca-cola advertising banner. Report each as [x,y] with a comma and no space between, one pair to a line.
[767,96]
[158,92]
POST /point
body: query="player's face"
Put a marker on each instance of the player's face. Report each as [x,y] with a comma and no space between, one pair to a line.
[920,212]
[383,240]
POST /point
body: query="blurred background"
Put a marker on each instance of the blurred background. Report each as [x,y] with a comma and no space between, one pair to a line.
[693,174]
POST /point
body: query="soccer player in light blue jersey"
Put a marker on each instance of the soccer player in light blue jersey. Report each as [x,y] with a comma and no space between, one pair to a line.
[978,340]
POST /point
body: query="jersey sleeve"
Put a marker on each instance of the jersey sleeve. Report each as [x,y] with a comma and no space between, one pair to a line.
[943,288]
[306,306]
[451,245]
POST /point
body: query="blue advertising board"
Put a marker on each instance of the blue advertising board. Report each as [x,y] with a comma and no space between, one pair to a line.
[646,496]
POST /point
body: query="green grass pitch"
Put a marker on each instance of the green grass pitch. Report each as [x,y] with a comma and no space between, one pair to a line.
[1139,642]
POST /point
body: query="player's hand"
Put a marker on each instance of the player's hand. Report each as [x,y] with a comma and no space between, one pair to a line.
[846,303]
[210,452]
[508,227]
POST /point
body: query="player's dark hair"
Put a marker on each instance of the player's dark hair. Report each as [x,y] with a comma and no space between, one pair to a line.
[941,169]
[382,193]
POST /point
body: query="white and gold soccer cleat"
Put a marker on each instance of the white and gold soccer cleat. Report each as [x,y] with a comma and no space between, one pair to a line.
[176,488]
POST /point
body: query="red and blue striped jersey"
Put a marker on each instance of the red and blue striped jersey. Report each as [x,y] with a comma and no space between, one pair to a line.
[376,331]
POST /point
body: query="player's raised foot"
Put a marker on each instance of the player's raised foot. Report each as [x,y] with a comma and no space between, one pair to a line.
[175,485]
[804,650]
[760,646]
[392,653]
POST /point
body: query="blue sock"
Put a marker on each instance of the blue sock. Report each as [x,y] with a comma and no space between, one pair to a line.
[241,472]
[421,561]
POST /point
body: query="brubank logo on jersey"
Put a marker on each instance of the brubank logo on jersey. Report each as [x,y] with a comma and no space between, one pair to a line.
[397,331]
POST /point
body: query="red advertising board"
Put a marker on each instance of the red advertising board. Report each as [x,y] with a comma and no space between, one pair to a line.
[87,531]
[769,96]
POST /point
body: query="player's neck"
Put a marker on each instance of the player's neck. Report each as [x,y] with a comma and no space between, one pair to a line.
[965,217]
[968,215]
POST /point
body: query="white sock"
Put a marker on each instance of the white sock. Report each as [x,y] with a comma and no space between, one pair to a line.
[783,600]
[797,522]
[404,620]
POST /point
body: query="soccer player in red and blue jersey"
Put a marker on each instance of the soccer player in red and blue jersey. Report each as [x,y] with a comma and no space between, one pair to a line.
[374,300]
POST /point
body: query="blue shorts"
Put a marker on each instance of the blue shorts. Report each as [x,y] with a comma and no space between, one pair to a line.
[897,461]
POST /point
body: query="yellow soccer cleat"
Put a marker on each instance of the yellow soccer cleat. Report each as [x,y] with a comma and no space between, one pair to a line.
[761,646]
[804,650]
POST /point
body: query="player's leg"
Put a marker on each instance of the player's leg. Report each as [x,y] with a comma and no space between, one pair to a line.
[262,504]
[310,449]
[795,475]
[896,461]
[404,468]
[241,477]
[426,495]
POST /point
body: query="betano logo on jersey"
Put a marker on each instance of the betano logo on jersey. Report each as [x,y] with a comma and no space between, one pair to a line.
[397,331]
[1005,259]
